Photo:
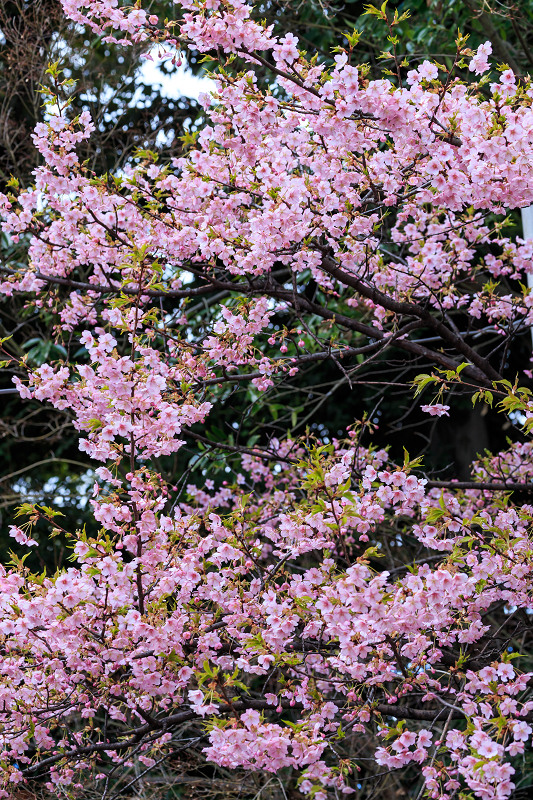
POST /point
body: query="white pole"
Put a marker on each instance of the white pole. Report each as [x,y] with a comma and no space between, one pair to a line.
[527,227]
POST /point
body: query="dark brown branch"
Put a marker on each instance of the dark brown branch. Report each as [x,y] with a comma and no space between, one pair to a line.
[412,310]
[479,370]
[404,712]
[137,735]
[306,358]
[490,486]
[299,302]
[96,287]
[259,453]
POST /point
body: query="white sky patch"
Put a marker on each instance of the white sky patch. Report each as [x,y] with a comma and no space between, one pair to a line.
[181,83]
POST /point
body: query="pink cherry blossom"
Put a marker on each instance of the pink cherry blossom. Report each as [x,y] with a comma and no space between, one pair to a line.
[188,280]
[436,409]
[479,62]
[21,537]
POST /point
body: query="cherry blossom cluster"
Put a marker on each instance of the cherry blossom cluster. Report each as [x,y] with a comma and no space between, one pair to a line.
[367,628]
[259,605]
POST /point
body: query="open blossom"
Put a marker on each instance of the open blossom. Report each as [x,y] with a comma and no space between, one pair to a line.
[436,409]
[287,49]
[427,71]
[21,537]
[479,62]
[196,699]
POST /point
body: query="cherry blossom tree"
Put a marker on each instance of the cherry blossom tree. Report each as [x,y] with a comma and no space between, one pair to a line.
[331,605]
